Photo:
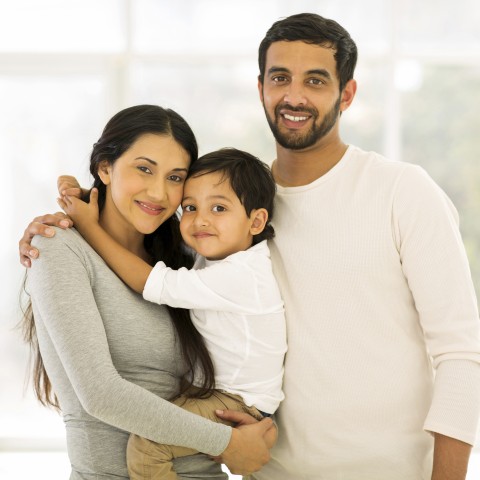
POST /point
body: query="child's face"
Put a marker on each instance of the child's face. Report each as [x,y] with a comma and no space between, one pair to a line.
[214,222]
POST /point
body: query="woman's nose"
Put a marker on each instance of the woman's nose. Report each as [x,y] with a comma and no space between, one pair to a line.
[157,190]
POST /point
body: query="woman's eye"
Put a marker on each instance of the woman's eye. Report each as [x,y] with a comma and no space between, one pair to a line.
[144,169]
[219,208]
[176,178]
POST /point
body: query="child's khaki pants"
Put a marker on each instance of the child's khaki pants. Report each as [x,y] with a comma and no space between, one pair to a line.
[147,460]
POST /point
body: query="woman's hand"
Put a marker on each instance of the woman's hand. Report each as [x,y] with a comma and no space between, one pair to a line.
[40,226]
[83,214]
[250,443]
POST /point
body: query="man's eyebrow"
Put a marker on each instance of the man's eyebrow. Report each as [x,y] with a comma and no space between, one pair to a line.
[314,71]
[278,69]
[320,71]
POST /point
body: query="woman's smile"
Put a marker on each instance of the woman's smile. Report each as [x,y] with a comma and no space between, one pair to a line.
[149,208]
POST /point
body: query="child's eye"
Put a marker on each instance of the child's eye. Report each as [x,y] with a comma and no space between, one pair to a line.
[218,208]
[188,208]
[144,169]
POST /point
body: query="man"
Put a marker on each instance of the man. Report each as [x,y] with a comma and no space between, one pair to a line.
[375,280]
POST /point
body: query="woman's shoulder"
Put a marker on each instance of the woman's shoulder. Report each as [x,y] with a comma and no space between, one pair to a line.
[64,242]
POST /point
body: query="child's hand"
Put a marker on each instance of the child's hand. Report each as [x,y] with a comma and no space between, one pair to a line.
[68,185]
[83,214]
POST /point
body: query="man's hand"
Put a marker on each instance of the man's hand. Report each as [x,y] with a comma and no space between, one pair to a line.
[66,185]
[82,213]
[249,446]
[40,226]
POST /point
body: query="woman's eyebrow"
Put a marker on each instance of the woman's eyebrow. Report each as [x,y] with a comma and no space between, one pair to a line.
[153,162]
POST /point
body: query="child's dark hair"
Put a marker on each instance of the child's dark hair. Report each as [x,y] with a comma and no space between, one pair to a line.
[249,177]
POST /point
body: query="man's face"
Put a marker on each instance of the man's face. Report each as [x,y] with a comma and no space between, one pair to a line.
[300,93]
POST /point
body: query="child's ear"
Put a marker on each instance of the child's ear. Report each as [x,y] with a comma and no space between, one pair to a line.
[104,171]
[258,218]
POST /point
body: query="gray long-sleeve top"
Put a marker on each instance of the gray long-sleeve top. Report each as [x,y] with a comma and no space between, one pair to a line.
[112,358]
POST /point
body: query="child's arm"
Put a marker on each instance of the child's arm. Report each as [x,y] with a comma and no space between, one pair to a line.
[129,267]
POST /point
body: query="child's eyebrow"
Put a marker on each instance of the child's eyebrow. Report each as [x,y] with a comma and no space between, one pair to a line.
[210,197]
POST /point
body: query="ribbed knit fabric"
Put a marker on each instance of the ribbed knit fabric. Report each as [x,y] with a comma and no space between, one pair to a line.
[113,360]
[378,293]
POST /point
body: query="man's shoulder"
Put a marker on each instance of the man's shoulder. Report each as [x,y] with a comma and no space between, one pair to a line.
[376,163]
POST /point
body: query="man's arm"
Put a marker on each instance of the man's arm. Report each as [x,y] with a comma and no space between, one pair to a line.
[450,458]
[129,267]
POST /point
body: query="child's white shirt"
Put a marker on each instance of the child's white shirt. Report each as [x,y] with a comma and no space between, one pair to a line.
[236,306]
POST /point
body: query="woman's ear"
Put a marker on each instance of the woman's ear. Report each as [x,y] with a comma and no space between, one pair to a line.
[104,171]
[258,218]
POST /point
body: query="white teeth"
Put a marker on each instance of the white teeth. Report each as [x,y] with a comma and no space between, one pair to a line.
[294,119]
[149,208]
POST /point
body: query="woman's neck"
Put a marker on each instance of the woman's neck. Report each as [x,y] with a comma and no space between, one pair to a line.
[124,234]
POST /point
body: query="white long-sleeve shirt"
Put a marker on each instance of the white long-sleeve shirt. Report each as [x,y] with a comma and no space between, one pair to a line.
[236,306]
[378,295]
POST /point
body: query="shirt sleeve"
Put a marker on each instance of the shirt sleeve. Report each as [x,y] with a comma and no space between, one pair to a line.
[61,293]
[229,285]
[434,261]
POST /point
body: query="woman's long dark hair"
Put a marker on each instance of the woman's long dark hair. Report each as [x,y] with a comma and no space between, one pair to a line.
[165,244]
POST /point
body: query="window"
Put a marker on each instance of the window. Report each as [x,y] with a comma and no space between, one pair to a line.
[66,67]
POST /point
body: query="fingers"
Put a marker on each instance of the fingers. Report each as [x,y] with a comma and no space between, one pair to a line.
[265,424]
[94,197]
[235,417]
[65,182]
[40,226]
[72,192]
[27,252]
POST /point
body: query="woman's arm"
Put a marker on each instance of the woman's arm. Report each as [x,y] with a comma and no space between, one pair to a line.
[60,285]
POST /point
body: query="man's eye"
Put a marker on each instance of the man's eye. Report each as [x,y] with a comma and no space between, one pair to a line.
[315,81]
[279,79]
[218,208]
[188,208]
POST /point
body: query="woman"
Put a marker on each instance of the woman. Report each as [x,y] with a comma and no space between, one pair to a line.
[112,358]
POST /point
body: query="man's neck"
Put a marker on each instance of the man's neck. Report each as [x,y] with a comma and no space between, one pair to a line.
[294,168]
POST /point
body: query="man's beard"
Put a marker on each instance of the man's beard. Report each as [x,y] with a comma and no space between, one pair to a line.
[297,140]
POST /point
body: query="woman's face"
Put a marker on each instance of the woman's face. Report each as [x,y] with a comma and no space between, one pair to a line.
[145,184]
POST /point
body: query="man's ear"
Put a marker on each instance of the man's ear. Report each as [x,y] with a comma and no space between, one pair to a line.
[348,94]
[258,218]
[260,88]
[104,171]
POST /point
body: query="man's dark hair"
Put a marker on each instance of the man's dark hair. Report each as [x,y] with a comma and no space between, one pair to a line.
[314,29]
[249,177]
